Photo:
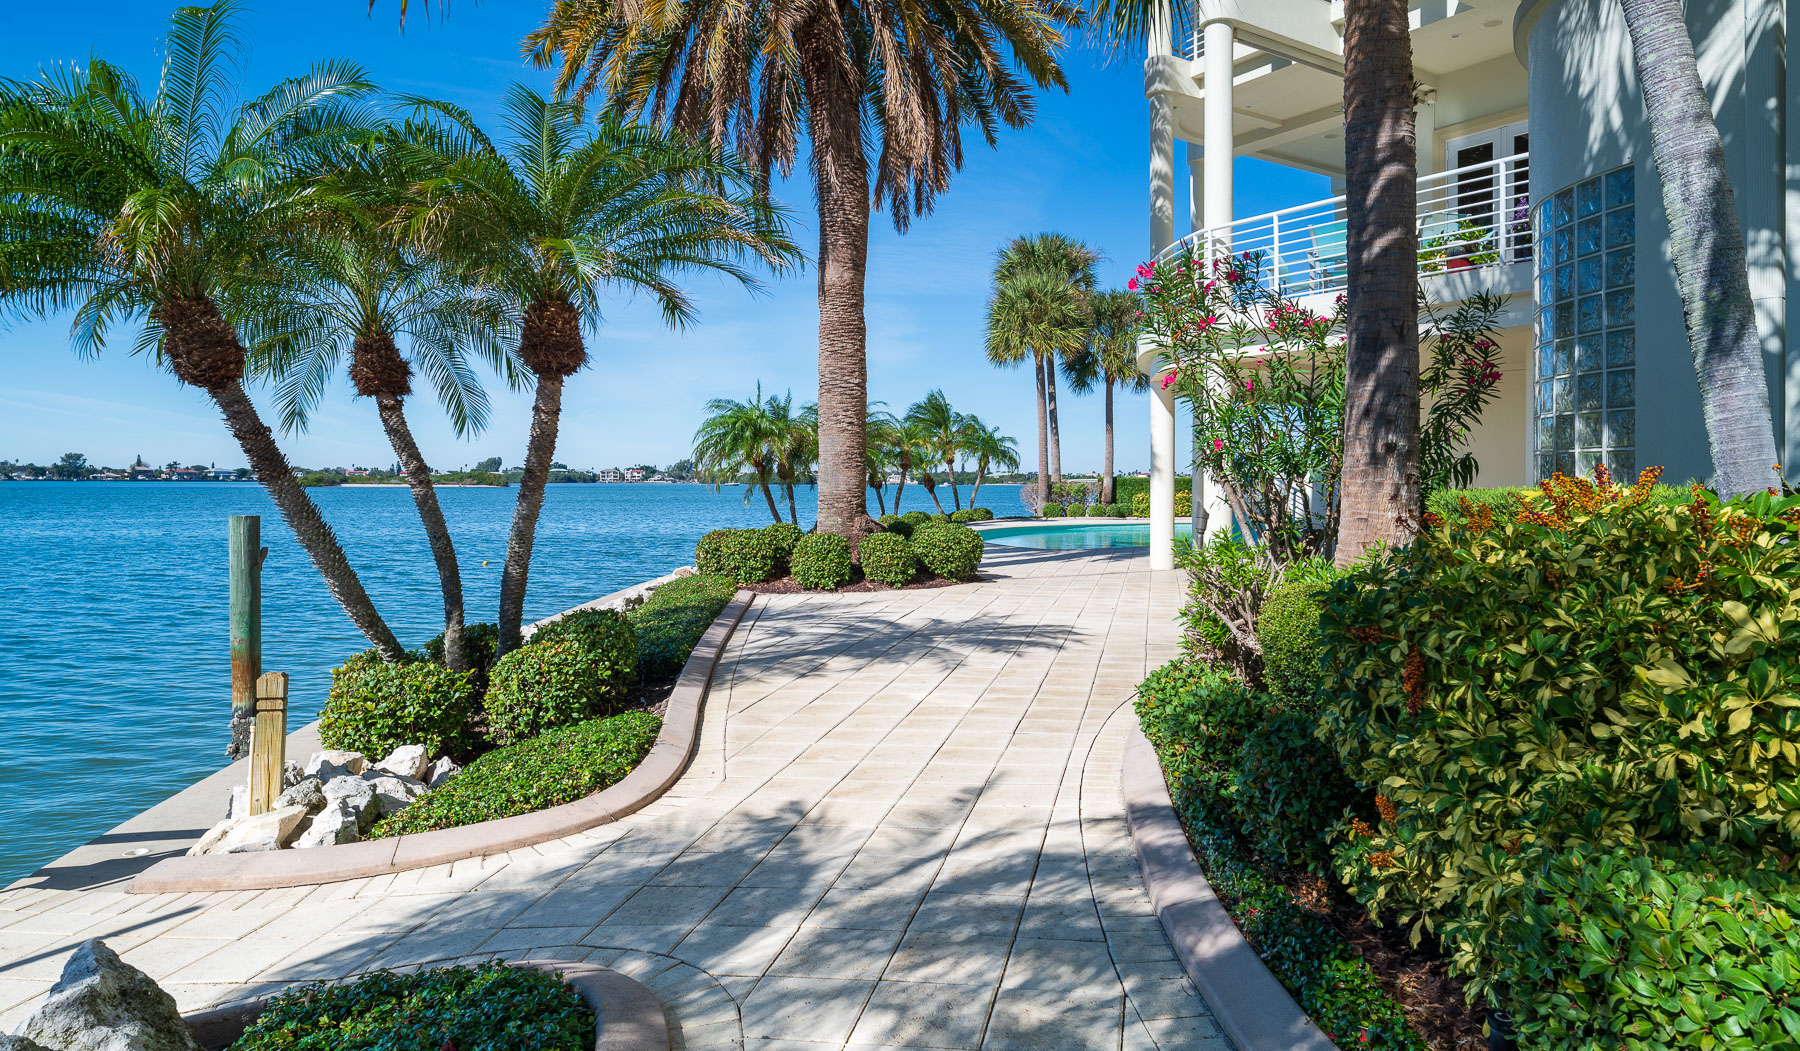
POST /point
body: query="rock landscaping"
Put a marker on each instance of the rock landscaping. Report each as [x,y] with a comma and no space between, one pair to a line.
[337,796]
[102,1003]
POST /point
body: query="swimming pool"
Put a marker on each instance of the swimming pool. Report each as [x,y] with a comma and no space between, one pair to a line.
[1075,536]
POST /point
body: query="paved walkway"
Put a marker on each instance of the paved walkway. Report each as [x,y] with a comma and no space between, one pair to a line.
[903,828]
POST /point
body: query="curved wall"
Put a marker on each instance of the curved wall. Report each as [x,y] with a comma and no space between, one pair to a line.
[1587,117]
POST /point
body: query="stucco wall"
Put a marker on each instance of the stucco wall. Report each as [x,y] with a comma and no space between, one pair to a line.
[1587,116]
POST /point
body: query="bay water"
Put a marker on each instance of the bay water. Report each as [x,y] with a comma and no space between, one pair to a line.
[115,665]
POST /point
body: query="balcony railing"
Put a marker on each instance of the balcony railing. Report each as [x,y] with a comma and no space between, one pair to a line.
[1469,218]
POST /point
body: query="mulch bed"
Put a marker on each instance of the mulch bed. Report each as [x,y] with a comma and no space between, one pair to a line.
[786,586]
[652,697]
[1415,977]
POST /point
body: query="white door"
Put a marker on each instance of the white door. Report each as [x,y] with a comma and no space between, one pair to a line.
[1490,189]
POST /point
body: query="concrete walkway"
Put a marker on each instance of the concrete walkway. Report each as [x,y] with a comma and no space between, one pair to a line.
[903,828]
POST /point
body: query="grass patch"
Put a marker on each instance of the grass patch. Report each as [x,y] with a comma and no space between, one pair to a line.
[670,622]
[556,768]
[490,1007]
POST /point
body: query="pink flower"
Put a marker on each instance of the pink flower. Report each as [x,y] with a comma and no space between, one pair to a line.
[1250,384]
[1485,344]
[1218,444]
[1168,380]
[1209,286]
[1132,284]
[1208,322]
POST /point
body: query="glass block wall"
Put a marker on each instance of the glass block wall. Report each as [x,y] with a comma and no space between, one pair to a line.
[1585,390]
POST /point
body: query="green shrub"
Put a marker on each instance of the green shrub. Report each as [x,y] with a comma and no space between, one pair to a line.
[375,707]
[548,770]
[488,1007]
[888,559]
[606,635]
[1140,505]
[670,622]
[822,562]
[745,556]
[1287,629]
[480,641]
[784,535]
[1447,503]
[915,518]
[896,525]
[1197,714]
[940,517]
[1052,509]
[972,514]
[1118,511]
[1617,951]
[1233,566]
[1126,488]
[1291,791]
[549,684]
[1610,672]
[1184,504]
[948,550]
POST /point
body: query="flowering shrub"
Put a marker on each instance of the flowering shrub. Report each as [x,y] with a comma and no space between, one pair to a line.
[1595,669]
[1266,377]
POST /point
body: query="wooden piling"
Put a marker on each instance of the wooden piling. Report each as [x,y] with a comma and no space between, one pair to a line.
[246,627]
[268,741]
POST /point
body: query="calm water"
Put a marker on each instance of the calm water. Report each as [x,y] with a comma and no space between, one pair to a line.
[116,686]
[1074,536]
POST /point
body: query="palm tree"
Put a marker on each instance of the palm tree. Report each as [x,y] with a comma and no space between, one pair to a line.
[990,448]
[164,209]
[735,437]
[555,216]
[882,454]
[1706,245]
[942,430]
[1039,310]
[1109,359]
[794,444]
[866,86]
[354,293]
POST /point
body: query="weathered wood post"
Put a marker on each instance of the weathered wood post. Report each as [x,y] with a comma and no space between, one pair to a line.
[246,627]
[268,741]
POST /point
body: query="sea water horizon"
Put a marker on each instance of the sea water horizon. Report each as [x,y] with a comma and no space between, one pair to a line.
[117,683]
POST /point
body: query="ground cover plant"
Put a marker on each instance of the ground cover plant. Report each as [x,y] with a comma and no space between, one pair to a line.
[548,770]
[489,1007]
[671,621]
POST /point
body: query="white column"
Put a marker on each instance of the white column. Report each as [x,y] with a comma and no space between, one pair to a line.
[1221,43]
[1162,477]
[1196,161]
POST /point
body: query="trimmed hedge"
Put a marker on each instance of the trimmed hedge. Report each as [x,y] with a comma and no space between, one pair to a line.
[488,1007]
[915,518]
[1127,487]
[972,514]
[888,559]
[549,770]
[1287,629]
[670,622]
[1052,509]
[375,707]
[822,562]
[1184,504]
[480,642]
[745,556]
[949,550]
[784,535]
[557,682]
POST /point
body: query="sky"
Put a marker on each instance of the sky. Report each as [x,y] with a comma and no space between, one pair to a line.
[1080,169]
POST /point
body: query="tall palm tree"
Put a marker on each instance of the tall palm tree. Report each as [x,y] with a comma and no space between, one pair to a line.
[1038,310]
[942,430]
[989,448]
[867,86]
[555,216]
[794,444]
[1109,360]
[735,437]
[356,294]
[120,207]
[1706,245]
[905,454]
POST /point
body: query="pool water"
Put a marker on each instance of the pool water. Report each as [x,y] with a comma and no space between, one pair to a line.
[1073,536]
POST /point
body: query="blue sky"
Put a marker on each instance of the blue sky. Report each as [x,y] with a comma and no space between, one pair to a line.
[1079,169]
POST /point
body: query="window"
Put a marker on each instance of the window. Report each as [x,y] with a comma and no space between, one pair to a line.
[1586,380]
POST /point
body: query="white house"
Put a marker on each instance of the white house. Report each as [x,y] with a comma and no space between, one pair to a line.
[1532,144]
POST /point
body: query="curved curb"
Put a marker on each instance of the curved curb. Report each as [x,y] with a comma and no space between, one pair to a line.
[1247,1001]
[666,760]
[631,1017]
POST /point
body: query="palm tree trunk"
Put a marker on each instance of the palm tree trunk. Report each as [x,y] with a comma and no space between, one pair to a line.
[793,515]
[431,516]
[975,494]
[1106,483]
[540,449]
[1056,475]
[841,184]
[900,489]
[303,517]
[955,497]
[762,479]
[1043,482]
[931,491]
[880,498]
[1381,381]
[1706,244]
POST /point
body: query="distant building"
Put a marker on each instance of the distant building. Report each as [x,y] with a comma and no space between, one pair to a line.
[634,474]
[108,476]
[143,473]
[610,474]
[221,474]
[182,474]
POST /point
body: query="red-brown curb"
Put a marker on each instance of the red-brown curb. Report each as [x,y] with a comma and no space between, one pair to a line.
[1249,1003]
[649,780]
[631,1017]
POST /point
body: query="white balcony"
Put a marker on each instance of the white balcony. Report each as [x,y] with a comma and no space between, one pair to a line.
[1470,218]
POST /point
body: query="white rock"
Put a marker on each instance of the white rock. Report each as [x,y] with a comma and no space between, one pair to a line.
[335,824]
[239,806]
[291,773]
[355,793]
[395,793]
[212,837]
[408,760]
[270,831]
[20,1043]
[309,793]
[441,772]
[102,1003]
[335,763]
